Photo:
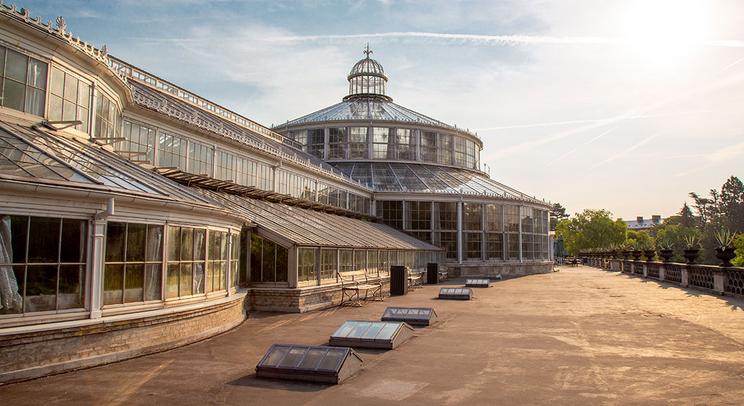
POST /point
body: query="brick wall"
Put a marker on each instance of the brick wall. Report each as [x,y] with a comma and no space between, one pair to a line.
[506,270]
[299,300]
[34,354]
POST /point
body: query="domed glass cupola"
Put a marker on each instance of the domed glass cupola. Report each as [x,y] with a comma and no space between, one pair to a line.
[367,78]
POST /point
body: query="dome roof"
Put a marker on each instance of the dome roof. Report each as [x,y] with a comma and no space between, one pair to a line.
[367,66]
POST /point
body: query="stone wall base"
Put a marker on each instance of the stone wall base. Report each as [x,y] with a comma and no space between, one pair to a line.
[506,269]
[88,343]
[299,300]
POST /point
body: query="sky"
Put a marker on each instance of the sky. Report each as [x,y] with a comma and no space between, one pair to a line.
[622,105]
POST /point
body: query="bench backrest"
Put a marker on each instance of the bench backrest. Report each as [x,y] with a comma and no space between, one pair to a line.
[352,276]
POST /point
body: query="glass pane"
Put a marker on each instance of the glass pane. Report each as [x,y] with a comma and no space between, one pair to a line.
[14,95]
[152,281]
[35,101]
[359,329]
[333,359]
[68,111]
[55,108]
[282,263]
[134,283]
[275,356]
[73,241]
[71,88]
[200,244]
[57,82]
[154,243]
[37,74]
[18,235]
[187,244]
[41,288]
[115,235]
[313,357]
[375,328]
[386,333]
[15,66]
[43,244]
[171,285]
[198,277]
[14,304]
[293,358]
[113,281]
[185,286]
[84,95]
[345,329]
[174,243]
[136,242]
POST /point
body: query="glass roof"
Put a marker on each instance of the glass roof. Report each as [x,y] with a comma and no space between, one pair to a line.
[408,314]
[314,228]
[455,292]
[423,178]
[367,330]
[366,66]
[37,154]
[367,108]
[305,358]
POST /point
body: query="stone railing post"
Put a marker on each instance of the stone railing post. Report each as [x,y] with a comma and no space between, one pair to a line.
[684,276]
[645,270]
[661,272]
[719,281]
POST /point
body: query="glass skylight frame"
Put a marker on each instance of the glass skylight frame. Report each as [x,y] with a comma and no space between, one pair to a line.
[414,316]
[310,363]
[455,293]
[371,334]
[478,283]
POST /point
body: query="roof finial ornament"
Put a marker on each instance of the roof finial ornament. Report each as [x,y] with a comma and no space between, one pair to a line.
[367,51]
[61,25]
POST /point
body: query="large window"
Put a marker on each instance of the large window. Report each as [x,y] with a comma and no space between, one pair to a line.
[107,118]
[448,242]
[380,143]
[358,142]
[138,143]
[494,217]
[328,263]
[418,215]
[511,215]
[373,266]
[69,99]
[429,146]
[235,258]
[495,246]
[306,265]
[360,260]
[316,142]
[391,213]
[346,261]
[172,151]
[269,261]
[512,240]
[201,158]
[447,213]
[405,144]
[217,261]
[186,260]
[460,151]
[472,245]
[444,149]
[24,82]
[134,263]
[472,216]
[337,141]
[226,165]
[43,263]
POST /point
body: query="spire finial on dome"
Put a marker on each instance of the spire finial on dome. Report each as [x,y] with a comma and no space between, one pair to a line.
[367,51]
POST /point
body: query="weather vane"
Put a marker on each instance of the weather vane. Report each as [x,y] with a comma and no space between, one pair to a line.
[367,51]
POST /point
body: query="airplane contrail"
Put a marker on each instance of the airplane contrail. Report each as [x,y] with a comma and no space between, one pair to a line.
[566,154]
[625,151]
[499,39]
[585,121]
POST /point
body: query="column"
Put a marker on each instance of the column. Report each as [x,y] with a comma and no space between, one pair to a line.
[326,142]
[459,232]
[98,235]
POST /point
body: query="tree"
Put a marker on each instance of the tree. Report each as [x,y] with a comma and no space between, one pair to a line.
[732,204]
[739,245]
[591,229]
[557,213]
[638,240]
[686,218]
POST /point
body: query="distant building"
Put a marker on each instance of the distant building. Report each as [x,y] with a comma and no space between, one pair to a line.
[644,224]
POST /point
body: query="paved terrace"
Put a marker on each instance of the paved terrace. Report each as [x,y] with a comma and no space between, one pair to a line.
[579,336]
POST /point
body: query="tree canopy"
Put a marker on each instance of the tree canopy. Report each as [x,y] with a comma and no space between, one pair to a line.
[591,229]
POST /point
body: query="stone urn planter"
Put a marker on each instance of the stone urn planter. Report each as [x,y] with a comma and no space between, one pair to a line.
[666,255]
[725,254]
[691,255]
[649,254]
[626,254]
[637,255]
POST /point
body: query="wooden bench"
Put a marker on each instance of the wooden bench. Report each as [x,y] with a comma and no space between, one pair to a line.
[357,286]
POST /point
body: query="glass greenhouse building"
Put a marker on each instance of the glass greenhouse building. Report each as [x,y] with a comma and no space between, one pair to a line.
[138,216]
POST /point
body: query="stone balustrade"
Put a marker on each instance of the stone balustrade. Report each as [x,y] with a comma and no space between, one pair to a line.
[711,278]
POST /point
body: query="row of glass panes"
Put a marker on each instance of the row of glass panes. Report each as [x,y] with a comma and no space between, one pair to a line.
[367,85]
[44,260]
[172,150]
[317,266]
[504,246]
[390,144]
[197,261]
[23,87]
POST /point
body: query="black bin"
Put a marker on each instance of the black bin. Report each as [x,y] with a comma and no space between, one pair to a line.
[432,273]
[398,280]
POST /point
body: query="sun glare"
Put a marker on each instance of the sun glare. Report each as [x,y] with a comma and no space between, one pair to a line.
[665,31]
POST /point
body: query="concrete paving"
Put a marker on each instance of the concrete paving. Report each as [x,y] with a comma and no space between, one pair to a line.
[578,336]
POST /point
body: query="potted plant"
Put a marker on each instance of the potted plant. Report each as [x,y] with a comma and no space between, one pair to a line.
[725,250]
[649,253]
[665,250]
[692,248]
